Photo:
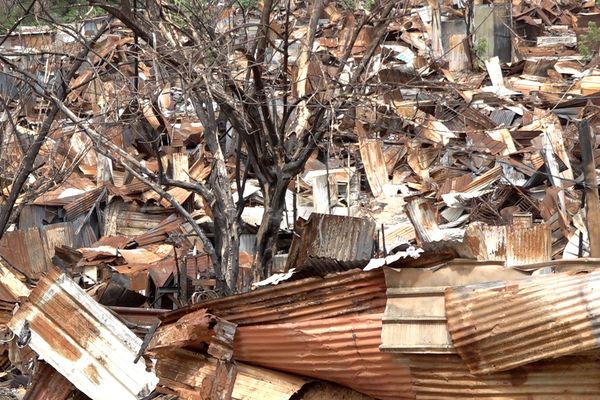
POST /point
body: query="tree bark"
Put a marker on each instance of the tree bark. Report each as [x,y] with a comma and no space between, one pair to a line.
[268,232]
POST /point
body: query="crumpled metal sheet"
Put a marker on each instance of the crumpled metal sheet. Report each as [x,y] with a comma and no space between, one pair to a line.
[343,350]
[497,326]
[346,293]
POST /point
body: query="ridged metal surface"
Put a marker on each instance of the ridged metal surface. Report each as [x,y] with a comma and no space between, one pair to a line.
[31,250]
[346,293]
[517,245]
[83,340]
[440,377]
[83,203]
[415,315]
[502,325]
[331,243]
[343,350]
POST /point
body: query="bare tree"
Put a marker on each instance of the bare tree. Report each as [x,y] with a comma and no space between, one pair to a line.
[25,82]
[266,101]
[235,64]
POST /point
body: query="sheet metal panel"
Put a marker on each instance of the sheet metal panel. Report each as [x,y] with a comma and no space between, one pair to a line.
[48,384]
[503,325]
[415,314]
[83,340]
[343,350]
[345,293]
[188,372]
[442,377]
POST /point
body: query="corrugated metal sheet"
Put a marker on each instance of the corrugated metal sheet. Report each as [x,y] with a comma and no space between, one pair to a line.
[485,179]
[188,372]
[48,384]
[343,350]
[83,340]
[415,314]
[142,316]
[83,203]
[503,117]
[422,216]
[499,326]
[31,250]
[345,293]
[331,243]
[516,244]
[442,377]
[161,232]
[131,220]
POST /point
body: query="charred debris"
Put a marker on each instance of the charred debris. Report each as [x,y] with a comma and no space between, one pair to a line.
[302,200]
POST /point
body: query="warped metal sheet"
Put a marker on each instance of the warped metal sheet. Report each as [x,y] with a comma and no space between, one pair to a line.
[343,350]
[415,315]
[346,293]
[503,325]
[516,244]
[83,340]
[441,377]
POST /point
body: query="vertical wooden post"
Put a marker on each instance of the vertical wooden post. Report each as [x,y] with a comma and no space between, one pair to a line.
[592,204]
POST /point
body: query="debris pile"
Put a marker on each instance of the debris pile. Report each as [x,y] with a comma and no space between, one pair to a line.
[439,241]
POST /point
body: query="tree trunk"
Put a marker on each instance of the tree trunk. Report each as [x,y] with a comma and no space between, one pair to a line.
[268,233]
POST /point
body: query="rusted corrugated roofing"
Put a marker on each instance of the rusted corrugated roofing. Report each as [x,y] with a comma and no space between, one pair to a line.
[83,203]
[517,244]
[441,377]
[499,326]
[141,316]
[160,232]
[48,384]
[83,340]
[331,243]
[191,373]
[343,350]
[345,293]
[31,250]
[415,316]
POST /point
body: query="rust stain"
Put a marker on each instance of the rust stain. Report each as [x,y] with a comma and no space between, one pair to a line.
[518,376]
[60,308]
[48,384]
[443,377]
[46,330]
[346,293]
[92,373]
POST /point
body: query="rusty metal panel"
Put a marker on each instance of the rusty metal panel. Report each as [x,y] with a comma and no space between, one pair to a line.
[38,261]
[516,244]
[415,314]
[140,316]
[345,293]
[503,325]
[442,377]
[56,235]
[332,243]
[83,203]
[48,384]
[14,251]
[343,350]
[83,340]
